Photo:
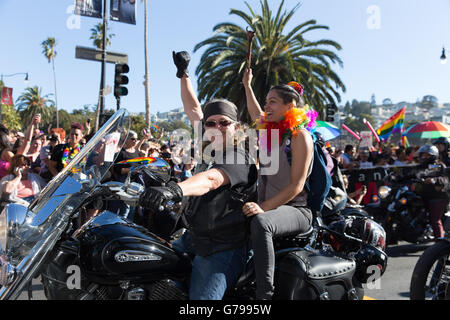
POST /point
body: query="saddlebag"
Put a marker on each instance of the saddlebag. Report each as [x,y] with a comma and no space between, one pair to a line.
[315,275]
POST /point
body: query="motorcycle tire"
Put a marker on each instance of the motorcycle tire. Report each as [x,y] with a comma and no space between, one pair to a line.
[429,258]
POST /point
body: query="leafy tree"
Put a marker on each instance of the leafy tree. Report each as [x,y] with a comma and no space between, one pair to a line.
[32,102]
[97,36]
[387,102]
[429,102]
[279,56]
[11,118]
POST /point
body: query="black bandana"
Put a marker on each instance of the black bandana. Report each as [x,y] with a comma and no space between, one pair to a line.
[220,107]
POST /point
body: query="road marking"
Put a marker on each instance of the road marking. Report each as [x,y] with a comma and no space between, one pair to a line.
[368,298]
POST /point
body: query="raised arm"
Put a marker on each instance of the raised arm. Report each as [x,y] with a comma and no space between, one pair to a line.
[188,97]
[253,107]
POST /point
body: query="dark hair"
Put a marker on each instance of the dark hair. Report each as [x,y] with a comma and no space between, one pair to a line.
[288,93]
[77,125]
[17,161]
[348,148]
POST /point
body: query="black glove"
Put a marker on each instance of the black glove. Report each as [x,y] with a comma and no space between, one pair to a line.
[181,60]
[155,197]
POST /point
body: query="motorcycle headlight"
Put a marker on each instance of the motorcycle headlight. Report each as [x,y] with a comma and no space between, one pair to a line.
[384,191]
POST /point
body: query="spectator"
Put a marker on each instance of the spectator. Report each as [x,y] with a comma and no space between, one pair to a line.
[44,157]
[129,151]
[347,157]
[364,162]
[5,151]
[20,185]
[62,154]
[401,157]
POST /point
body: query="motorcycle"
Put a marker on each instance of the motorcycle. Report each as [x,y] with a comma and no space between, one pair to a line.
[83,251]
[431,275]
[402,212]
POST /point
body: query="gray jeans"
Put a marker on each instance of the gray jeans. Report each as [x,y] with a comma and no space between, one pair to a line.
[283,221]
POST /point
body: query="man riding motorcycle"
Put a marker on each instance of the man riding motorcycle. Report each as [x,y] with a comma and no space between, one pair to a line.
[434,189]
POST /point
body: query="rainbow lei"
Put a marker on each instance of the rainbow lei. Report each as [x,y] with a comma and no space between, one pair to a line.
[69,153]
[294,120]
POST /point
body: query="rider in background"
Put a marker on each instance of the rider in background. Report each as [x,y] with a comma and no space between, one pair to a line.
[434,189]
[443,146]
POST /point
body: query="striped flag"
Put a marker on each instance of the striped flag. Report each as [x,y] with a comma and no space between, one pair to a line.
[392,125]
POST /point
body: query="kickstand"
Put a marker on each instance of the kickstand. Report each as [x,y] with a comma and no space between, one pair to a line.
[30,290]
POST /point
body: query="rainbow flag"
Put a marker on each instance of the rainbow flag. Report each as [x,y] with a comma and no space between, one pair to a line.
[392,125]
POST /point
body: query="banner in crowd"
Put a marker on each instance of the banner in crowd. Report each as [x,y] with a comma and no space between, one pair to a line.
[374,177]
[7,96]
[123,11]
[89,8]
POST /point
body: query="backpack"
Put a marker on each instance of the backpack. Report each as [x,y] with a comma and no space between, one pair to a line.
[319,182]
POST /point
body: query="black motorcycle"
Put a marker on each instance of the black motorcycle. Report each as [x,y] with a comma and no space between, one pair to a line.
[109,257]
[431,275]
[401,211]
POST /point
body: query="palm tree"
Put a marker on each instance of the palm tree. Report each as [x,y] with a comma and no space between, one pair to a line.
[146,82]
[48,49]
[31,102]
[97,36]
[278,58]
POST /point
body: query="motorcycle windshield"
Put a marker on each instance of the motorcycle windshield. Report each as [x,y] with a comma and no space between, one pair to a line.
[32,232]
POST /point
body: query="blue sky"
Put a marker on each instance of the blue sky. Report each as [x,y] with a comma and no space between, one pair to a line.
[391,48]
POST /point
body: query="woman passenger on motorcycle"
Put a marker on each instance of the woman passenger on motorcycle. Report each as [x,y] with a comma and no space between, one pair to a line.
[217,234]
[282,200]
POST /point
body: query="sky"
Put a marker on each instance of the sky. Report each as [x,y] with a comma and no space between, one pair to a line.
[390,48]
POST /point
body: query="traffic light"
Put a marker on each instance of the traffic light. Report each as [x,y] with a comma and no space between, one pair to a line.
[330,111]
[120,79]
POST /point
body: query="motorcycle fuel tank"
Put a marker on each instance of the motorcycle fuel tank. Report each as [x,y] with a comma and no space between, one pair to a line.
[113,249]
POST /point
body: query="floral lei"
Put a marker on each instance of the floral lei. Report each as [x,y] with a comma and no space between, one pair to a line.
[69,153]
[294,120]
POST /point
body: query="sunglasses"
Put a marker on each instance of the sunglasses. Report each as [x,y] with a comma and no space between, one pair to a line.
[133,139]
[222,123]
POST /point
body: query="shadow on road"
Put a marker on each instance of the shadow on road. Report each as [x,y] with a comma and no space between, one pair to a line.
[409,250]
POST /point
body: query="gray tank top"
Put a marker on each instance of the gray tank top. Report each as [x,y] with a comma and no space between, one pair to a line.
[271,185]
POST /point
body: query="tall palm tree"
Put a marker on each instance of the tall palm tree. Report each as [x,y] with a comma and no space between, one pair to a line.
[278,58]
[48,49]
[32,102]
[97,36]
[146,81]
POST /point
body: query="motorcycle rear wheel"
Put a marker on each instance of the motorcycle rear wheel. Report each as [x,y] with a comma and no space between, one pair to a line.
[431,275]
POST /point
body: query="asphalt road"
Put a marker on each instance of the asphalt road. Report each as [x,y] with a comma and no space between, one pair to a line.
[394,285]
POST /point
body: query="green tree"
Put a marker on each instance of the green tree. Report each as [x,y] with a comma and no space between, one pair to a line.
[32,102]
[279,56]
[11,118]
[48,50]
[97,36]
[429,102]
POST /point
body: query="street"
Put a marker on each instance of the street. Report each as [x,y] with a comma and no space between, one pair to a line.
[394,284]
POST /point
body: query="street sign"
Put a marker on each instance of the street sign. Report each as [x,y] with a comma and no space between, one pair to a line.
[96,55]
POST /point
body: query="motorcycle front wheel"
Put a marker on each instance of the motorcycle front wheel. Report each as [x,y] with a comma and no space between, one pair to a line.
[431,275]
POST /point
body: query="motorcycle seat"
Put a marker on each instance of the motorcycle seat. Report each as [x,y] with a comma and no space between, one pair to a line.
[295,240]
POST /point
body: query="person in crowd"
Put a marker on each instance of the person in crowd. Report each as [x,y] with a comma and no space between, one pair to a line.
[282,199]
[44,157]
[400,154]
[219,253]
[6,153]
[347,157]
[35,149]
[364,162]
[63,153]
[443,146]
[356,196]
[20,185]
[144,149]
[187,170]
[129,151]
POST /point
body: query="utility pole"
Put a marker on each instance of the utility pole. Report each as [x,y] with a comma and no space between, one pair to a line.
[101,106]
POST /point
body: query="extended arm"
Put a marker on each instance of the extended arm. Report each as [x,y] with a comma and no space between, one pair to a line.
[254,109]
